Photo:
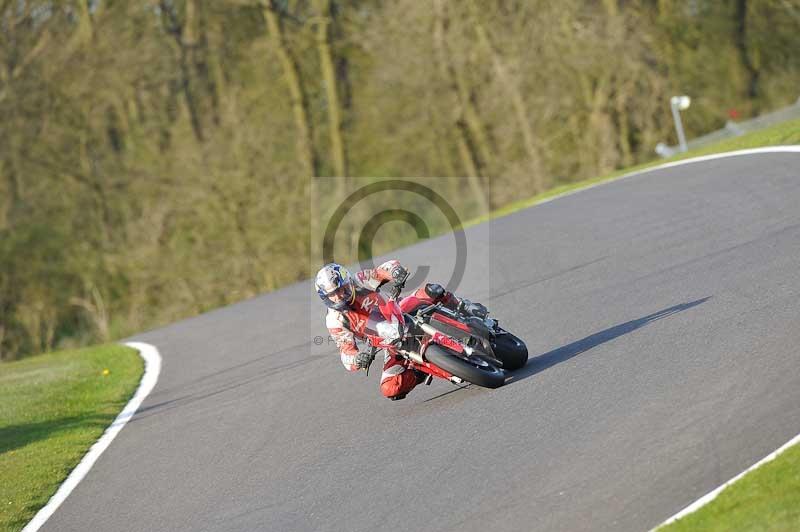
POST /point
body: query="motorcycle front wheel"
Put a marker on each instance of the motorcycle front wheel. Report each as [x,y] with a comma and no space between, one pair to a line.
[473,369]
[510,350]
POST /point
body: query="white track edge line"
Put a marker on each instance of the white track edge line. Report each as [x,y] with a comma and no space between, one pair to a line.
[789,148]
[710,496]
[152,368]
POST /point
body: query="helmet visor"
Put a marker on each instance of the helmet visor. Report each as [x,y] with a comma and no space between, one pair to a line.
[339,298]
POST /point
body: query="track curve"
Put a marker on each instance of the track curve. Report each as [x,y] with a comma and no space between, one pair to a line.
[662,316]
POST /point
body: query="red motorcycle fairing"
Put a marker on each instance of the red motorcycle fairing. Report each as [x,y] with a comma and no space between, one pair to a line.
[450,321]
[436,371]
[447,342]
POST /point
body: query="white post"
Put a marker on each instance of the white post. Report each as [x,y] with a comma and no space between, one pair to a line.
[678,104]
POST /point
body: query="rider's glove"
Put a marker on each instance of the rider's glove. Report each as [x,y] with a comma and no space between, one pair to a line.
[364,359]
[399,275]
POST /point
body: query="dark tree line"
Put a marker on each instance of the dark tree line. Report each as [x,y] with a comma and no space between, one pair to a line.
[156,156]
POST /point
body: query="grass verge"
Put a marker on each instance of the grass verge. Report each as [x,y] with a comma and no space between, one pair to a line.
[780,134]
[767,498]
[53,407]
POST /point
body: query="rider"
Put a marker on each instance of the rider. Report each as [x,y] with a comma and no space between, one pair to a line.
[351,298]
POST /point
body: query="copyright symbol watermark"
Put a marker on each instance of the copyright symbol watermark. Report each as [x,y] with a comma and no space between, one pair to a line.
[354,220]
[322,340]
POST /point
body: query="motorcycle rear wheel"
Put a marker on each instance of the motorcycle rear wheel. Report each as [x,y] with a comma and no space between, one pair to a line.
[476,371]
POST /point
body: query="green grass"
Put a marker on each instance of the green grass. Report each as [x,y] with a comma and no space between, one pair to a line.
[53,407]
[779,134]
[767,498]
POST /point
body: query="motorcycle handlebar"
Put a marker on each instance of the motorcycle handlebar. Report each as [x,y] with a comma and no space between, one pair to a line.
[426,310]
[395,289]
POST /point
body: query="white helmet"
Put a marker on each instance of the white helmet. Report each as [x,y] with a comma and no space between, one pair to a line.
[335,287]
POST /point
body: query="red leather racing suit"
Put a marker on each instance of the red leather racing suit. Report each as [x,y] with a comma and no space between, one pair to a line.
[347,325]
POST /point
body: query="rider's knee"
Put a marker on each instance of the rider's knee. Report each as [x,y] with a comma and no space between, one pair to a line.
[392,387]
[398,385]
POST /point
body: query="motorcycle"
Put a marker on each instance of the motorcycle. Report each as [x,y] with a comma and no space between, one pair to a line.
[461,345]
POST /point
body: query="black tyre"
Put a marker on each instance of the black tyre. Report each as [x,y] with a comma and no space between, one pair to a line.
[474,370]
[510,350]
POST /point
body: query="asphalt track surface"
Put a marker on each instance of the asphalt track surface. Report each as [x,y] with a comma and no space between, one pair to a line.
[662,314]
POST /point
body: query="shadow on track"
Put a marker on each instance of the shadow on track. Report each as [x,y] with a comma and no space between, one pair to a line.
[562,354]
[456,389]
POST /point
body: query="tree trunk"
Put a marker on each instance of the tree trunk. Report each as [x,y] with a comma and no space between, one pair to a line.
[11,199]
[521,112]
[291,71]
[3,337]
[460,94]
[623,125]
[88,171]
[188,42]
[741,38]
[205,65]
[325,19]
[468,160]
[184,37]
